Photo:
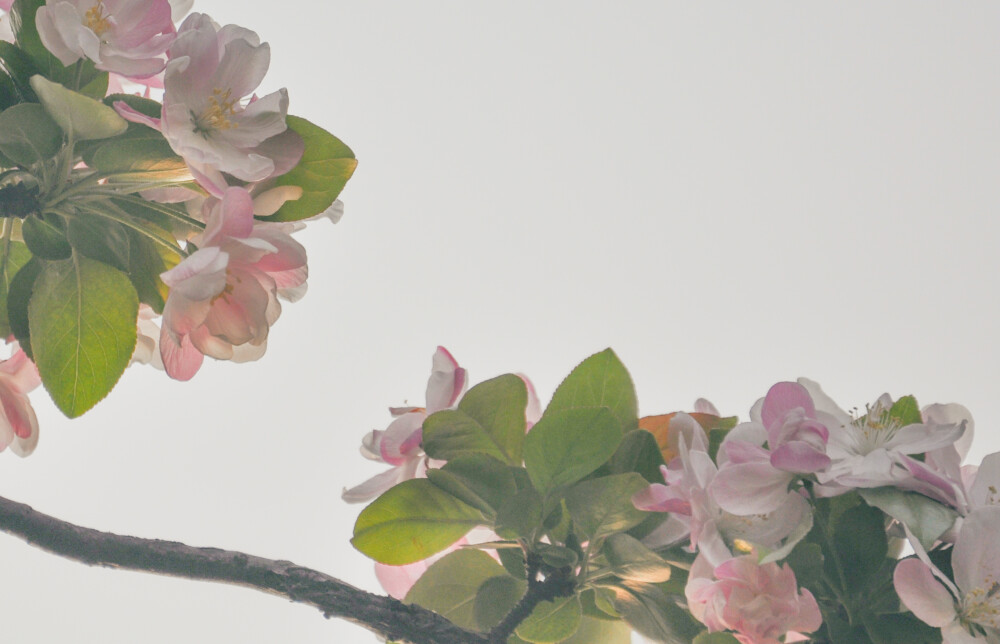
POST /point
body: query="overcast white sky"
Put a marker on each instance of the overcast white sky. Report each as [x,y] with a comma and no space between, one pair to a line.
[728,194]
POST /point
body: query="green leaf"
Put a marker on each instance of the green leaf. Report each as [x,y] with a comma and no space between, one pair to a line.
[715,638]
[326,165]
[551,621]
[498,406]
[144,269]
[97,87]
[449,587]
[639,453]
[557,556]
[452,433]
[900,629]
[567,445]
[28,135]
[17,256]
[631,560]
[20,68]
[599,631]
[495,598]
[8,90]
[76,114]
[481,481]
[520,515]
[927,519]
[603,506]
[513,562]
[806,560]
[149,153]
[100,239]
[18,297]
[648,610]
[599,603]
[82,318]
[906,411]
[859,536]
[599,381]
[45,237]
[412,521]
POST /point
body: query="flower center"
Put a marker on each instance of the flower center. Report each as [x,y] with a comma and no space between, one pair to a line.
[216,116]
[982,605]
[874,429]
[97,20]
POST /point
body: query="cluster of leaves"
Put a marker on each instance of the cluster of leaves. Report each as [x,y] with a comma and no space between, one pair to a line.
[571,564]
[80,247]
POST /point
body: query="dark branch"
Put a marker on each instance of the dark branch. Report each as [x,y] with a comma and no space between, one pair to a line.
[556,583]
[383,615]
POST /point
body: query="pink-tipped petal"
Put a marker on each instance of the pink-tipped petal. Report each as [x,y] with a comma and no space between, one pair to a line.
[799,457]
[180,360]
[783,398]
[447,382]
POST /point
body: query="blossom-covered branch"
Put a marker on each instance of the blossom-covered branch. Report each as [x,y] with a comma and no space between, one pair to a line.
[383,615]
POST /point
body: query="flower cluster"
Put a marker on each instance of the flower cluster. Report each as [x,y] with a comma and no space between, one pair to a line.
[181,206]
[788,527]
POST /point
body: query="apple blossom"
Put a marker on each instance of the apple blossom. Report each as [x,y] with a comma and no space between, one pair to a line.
[127,37]
[399,444]
[876,449]
[760,603]
[223,297]
[754,479]
[969,607]
[205,118]
[688,496]
[18,423]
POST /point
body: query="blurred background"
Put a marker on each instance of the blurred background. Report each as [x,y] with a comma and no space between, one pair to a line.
[727,194]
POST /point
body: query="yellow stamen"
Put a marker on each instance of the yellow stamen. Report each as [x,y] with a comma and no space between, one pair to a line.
[97,20]
[220,107]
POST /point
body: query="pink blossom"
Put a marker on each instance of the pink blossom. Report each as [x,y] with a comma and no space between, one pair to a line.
[753,478]
[18,424]
[5,5]
[399,444]
[206,116]
[688,494]
[759,602]
[223,297]
[875,450]
[972,599]
[128,37]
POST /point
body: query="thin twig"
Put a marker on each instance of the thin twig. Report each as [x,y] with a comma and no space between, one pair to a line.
[385,616]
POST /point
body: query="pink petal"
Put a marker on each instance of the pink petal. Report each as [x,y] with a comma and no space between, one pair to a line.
[921,593]
[799,457]
[703,406]
[750,488]
[976,557]
[783,398]
[952,414]
[533,410]
[135,116]
[447,382]
[230,217]
[180,361]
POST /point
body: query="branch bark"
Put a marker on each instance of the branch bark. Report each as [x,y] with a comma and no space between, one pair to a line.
[385,616]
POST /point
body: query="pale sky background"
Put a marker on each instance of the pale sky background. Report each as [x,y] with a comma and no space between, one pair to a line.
[728,194]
